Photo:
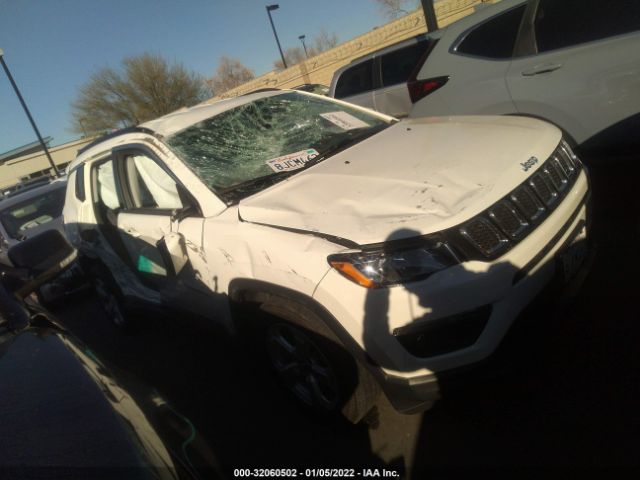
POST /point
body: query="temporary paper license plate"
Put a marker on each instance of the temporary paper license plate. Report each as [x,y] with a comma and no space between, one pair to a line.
[572,257]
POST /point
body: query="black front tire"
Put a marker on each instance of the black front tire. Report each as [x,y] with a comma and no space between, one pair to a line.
[309,360]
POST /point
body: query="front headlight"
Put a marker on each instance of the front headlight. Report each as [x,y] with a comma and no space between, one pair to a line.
[381,268]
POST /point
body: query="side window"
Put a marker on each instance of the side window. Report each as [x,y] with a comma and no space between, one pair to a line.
[398,65]
[79,183]
[107,193]
[494,38]
[150,186]
[355,80]
[572,22]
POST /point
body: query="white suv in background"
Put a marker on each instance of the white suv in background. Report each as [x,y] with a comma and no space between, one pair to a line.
[361,252]
[574,63]
[384,80]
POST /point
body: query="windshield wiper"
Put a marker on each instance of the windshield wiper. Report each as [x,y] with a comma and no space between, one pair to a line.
[235,192]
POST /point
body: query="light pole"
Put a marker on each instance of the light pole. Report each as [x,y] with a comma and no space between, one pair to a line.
[430,15]
[269,9]
[26,110]
[301,38]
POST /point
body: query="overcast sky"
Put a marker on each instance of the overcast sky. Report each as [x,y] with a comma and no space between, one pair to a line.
[52,46]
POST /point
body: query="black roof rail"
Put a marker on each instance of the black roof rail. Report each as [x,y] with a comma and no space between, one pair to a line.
[116,134]
[260,90]
[421,37]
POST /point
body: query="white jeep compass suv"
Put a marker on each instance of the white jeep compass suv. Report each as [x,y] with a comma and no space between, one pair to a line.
[364,253]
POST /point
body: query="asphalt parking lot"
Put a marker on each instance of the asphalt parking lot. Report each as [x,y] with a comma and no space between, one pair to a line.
[560,394]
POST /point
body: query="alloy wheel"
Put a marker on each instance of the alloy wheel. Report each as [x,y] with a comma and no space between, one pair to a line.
[302,366]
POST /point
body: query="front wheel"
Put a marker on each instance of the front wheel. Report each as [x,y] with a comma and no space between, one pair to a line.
[309,360]
[302,367]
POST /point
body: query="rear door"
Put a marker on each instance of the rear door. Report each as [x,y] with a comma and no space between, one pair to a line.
[581,69]
[356,84]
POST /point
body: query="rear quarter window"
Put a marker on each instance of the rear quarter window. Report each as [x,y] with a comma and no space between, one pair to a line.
[79,184]
[495,38]
[355,80]
[399,64]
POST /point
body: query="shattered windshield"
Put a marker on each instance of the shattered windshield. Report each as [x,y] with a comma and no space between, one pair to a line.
[248,148]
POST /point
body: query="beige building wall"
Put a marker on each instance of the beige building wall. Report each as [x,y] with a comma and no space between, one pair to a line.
[13,170]
[320,69]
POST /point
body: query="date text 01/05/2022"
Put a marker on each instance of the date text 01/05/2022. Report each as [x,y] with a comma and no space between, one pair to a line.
[316,472]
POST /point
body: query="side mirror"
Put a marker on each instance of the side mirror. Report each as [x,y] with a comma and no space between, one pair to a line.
[180,214]
[189,209]
[43,256]
[173,251]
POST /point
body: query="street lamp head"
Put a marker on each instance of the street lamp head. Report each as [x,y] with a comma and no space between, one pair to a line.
[1,52]
[270,8]
[302,37]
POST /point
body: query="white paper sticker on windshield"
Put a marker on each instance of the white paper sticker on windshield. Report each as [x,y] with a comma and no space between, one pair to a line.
[293,161]
[344,120]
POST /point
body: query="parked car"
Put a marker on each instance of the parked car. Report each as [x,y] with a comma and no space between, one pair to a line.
[62,410]
[385,80]
[317,88]
[574,63]
[24,185]
[29,211]
[361,252]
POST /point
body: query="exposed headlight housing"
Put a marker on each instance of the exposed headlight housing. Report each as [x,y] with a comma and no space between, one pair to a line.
[385,267]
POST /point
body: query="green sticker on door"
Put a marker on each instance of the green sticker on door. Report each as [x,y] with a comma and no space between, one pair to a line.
[146,265]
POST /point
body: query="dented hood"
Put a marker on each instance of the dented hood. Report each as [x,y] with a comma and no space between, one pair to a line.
[418,176]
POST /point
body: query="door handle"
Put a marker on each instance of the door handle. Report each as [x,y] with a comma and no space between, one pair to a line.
[544,68]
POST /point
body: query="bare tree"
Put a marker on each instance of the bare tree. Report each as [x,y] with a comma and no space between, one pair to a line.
[393,9]
[324,41]
[145,87]
[321,43]
[230,73]
[293,56]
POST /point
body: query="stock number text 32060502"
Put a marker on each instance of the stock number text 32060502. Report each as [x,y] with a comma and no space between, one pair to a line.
[316,472]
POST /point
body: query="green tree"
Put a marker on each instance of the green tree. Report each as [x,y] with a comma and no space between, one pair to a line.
[144,88]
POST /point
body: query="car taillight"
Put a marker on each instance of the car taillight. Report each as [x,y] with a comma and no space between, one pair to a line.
[419,89]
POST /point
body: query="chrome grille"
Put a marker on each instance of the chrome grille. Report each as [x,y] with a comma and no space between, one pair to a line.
[567,160]
[484,235]
[508,219]
[543,188]
[511,219]
[527,203]
[555,173]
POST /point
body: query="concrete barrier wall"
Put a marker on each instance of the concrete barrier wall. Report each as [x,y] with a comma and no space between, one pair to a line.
[320,69]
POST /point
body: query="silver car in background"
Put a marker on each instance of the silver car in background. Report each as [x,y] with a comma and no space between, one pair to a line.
[28,212]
